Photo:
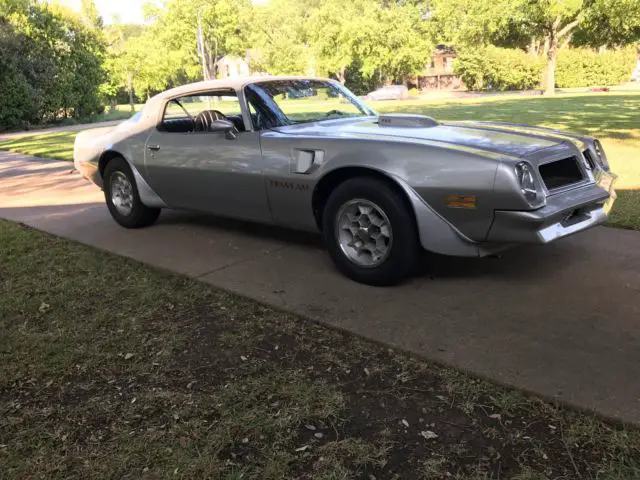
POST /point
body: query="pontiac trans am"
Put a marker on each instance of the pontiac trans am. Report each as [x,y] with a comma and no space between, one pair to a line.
[306,153]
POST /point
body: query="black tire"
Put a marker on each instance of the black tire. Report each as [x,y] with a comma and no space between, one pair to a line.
[405,249]
[140,215]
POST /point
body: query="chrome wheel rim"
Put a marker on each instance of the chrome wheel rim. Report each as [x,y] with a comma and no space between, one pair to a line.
[121,193]
[364,233]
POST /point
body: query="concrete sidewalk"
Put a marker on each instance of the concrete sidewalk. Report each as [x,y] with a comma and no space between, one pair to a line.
[561,320]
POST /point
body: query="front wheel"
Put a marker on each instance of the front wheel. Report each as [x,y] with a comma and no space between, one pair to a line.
[122,197]
[370,232]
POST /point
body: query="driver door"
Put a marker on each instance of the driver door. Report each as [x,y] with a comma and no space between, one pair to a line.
[191,166]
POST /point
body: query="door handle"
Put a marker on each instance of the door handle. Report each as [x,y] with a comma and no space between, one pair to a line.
[153,148]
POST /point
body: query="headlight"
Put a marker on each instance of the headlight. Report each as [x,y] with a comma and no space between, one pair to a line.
[528,184]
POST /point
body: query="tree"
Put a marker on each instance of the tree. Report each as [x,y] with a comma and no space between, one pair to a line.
[280,37]
[389,39]
[393,41]
[52,59]
[471,22]
[90,15]
[121,62]
[609,23]
[614,22]
[545,24]
[333,32]
[220,25]
[555,21]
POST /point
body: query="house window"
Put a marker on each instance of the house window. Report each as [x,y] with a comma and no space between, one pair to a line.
[433,62]
[448,65]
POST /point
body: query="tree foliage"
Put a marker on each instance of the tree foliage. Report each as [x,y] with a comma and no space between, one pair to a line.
[382,40]
[609,23]
[542,26]
[280,45]
[51,64]
[55,62]
[581,67]
[494,68]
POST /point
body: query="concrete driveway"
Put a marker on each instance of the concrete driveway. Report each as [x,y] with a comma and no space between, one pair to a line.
[562,320]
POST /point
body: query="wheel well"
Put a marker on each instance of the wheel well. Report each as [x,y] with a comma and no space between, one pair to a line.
[331,180]
[105,158]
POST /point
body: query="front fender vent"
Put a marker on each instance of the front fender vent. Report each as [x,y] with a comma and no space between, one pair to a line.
[407,121]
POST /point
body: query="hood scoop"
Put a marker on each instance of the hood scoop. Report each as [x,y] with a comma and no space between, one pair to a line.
[406,120]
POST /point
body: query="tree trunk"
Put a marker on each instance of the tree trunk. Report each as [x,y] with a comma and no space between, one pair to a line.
[341,75]
[113,104]
[130,88]
[552,54]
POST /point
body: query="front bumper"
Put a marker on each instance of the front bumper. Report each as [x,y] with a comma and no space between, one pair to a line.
[88,170]
[565,214]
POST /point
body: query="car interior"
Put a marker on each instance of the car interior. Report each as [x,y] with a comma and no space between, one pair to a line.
[201,122]
[194,113]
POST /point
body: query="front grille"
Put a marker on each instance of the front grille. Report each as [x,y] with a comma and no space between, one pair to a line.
[561,173]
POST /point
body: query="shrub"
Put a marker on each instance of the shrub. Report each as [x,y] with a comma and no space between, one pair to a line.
[50,66]
[582,67]
[16,101]
[493,68]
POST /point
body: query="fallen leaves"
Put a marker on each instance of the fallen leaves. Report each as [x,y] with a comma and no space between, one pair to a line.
[428,434]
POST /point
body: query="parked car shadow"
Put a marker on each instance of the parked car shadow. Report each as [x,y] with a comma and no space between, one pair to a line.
[527,261]
[258,230]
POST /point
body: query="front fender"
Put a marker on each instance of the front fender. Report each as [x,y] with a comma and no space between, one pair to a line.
[436,234]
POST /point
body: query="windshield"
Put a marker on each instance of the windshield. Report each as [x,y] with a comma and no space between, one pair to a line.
[288,102]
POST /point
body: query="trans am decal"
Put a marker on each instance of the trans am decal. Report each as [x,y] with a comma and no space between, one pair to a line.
[301,187]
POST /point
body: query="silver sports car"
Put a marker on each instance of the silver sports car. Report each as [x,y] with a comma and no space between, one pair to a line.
[308,154]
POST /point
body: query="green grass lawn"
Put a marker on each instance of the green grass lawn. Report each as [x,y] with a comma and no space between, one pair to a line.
[112,369]
[58,145]
[612,117]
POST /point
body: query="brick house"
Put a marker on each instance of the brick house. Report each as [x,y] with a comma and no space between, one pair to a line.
[438,73]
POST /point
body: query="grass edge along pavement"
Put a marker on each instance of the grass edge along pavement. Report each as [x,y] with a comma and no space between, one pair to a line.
[110,368]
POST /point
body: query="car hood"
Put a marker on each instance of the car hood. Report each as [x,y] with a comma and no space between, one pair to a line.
[496,138]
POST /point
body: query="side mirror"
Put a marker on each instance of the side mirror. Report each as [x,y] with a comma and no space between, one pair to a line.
[226,126]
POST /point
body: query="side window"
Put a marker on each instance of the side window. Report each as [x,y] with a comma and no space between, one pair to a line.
[196,113]
[255,117]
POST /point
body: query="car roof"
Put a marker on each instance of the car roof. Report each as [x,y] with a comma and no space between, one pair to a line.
[233,83]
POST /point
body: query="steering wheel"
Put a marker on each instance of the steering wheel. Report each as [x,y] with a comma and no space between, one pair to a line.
[334,112]
[207,117]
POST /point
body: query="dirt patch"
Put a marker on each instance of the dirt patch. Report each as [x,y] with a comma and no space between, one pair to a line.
[112,369]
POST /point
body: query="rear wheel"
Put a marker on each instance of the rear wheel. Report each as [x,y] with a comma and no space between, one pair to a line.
[370,232]
[122,197]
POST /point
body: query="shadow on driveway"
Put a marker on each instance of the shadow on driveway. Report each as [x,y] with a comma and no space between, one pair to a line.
[562,320]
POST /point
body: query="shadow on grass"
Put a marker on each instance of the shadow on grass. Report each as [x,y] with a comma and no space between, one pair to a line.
[626,210]
[57,145]
[610,115]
